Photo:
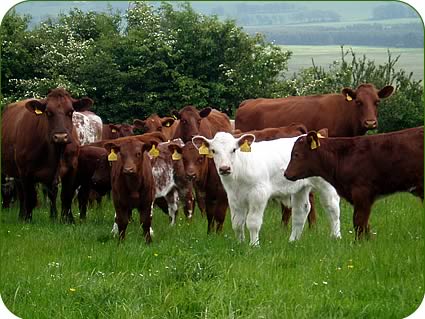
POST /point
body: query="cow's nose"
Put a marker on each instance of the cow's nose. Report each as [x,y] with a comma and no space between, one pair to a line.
[224,170]
[190,176]
[370,124]
[60,138]
[129,170]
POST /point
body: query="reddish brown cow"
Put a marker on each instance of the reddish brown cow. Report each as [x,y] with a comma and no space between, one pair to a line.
[363,168]
[206,122]
[201,170]
[133,185]
[154,123]
[113,131]
[40,144]
[350,113]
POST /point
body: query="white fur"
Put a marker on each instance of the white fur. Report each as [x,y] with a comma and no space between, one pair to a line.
[257,176]
[88,126]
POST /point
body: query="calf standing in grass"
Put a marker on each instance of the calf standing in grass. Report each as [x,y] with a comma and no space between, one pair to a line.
[363,168]
[251,174]
[132,182]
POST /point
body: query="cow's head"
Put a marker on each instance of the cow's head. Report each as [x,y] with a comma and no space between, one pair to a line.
[195,164]
[121,130]
[153,123]
[304,156]
[190,122]
[366,99]
[58,108]
[101,177]
[224,149]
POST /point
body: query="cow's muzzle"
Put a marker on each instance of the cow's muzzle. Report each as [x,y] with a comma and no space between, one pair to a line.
[370,124]
[224,170]
[61,138]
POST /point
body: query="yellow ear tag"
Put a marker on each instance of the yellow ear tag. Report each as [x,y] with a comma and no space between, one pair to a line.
[314,145]
[348,98]
[154,152]
[37,111]
[210,155]
[112,157]
[174,117]
[203,150]
[113,130]
[320,135]
[245,147]
[176,155]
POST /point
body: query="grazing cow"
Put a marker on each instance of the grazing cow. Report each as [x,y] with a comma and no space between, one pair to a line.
[113,131]
[363,168]
[170,181]
[133,185]
[88,126]
[89,159]
[40,144]
[201,171]
[251,174]
[154,123]
[206,122]
[274,133]
[350,113]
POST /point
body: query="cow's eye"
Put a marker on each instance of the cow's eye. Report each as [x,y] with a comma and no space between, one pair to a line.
[234,150]
[184,122]
[138,154]
[49,114]
[376,103]
[201,159]
[213,151]
[70,113]
[358,103]
[159,128]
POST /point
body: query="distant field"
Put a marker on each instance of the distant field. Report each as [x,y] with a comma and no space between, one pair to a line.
[411,60]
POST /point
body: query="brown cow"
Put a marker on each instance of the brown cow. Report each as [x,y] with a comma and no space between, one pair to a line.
[154,123]
[350,113]
[113,131]
[133,185]
[201,171]
[206,122]
[363,168]
[40,144]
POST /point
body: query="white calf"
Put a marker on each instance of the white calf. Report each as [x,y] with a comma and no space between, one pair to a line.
[252,173]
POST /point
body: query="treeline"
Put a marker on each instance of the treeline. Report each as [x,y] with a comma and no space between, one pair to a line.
[305,16]
[400,35]
[157,59]
[393,11]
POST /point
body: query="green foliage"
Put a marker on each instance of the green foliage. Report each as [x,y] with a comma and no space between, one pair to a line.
[402,110]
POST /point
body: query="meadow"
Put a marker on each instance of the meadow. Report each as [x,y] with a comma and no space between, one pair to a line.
[51,270]
[411,59]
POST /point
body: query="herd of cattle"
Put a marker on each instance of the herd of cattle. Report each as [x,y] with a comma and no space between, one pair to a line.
[284,149]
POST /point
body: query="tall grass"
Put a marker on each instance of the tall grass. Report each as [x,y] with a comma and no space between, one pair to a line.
[79,271]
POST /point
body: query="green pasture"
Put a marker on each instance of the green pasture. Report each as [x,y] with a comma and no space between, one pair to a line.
[411,59]
[51,270]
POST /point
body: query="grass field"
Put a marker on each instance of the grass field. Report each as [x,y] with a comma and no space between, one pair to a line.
[411,60]
[63,271]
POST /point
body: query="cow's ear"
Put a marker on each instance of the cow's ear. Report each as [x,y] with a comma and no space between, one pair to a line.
[245,141]
[113,149]
[83,104]
[323,132]
[167,121]
[386,91]
[36,106]
[140,124]
[349,94]
[313,140]
[175,114]
[205,112]
[199,140]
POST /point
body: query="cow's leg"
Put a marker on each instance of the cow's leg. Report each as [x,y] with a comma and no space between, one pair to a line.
[300,209]
[52,193]
[330,202]
[286,214]
[20,193]
[121,220]
[254,220]
[210,206]
[186,194]
[29,198]
[220,212]
[200,199]
[238,218]
[146,222]
[362,202]
[172,199]
[83,199]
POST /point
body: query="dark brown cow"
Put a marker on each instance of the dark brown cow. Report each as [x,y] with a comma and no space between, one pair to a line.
[201,171]
[206,122]
[350,113]
[154,123]
[113,131]
[133,185]
[363,168]
[89,159]
[40,144]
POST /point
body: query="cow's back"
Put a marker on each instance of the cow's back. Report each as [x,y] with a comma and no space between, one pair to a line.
[315,112]
[215,122]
